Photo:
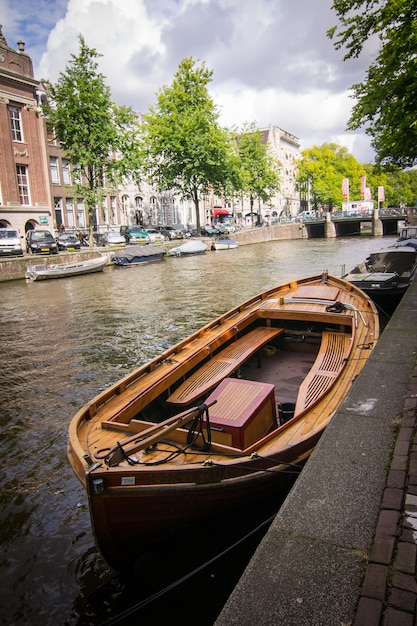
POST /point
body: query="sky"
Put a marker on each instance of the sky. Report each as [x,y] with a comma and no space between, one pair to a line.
[272,61]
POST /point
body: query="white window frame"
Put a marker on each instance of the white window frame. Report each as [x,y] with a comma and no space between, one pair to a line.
[23,184]
[16,123]
[66,172]
[54,169]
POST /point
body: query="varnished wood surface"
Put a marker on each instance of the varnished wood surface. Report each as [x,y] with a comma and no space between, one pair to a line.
[222,365]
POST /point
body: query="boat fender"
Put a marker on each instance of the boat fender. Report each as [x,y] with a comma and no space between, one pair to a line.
[337,307]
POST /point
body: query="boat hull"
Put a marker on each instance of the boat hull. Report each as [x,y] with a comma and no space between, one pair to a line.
[189,248]
[65,270]
[138,255]
[123,531]
[225,244]
[386,275]
[123,262]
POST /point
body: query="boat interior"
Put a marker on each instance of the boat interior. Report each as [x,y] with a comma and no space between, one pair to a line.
[253,382]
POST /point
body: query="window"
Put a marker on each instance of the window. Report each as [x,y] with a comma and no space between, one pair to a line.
[138,202]
[81,213]
[50,133]
[66,178]
[53,166]
[125,203]
[113,206]
[16,124]
[23,184]
[70,212]
[58,211]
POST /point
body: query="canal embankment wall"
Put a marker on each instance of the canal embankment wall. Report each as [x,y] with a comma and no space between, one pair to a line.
[14,268]
[310,567]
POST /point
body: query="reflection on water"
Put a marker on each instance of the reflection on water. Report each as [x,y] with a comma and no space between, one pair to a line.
[64,341]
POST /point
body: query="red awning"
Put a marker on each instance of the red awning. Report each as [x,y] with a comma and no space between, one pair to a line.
[217,212]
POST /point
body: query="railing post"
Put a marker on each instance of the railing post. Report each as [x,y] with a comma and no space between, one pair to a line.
[329,227]
[377,226]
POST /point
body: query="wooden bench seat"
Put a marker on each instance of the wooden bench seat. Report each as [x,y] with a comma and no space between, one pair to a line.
[222,365]
[334,350]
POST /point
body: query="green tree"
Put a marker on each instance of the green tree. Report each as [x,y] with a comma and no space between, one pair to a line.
[387,98]
[187,151]
[321,171]
[402,187]
[257,175]
[100,139]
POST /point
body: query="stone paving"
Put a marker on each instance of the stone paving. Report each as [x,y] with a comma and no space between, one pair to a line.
[389,592]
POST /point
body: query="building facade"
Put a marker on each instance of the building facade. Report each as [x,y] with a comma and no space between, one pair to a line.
[35,177]
[25,196]
[36,188]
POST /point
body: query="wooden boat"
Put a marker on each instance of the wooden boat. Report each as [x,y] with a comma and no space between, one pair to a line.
[224,244]
[190,247]
[216,421]
[64,270]
[136,255]
[386,274]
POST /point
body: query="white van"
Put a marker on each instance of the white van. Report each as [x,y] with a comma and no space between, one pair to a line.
[307,215]
[10,242]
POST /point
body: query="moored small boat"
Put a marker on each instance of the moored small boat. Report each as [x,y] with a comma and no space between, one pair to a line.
[224,244]
[190,247]
[136,255]
[64,270]
[386,274]
[214,422]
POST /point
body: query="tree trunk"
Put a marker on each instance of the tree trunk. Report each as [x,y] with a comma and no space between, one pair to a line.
[197,211]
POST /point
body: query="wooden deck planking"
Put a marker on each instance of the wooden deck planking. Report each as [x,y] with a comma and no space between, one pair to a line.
[222,365]
[334,351]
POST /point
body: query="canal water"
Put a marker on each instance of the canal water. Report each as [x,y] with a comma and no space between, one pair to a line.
[61,343]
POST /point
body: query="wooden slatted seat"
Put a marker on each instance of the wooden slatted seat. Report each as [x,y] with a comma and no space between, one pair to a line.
[334,350]
[223,364]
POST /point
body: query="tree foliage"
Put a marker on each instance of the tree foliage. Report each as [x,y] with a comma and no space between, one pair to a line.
[321,171]
[92,129]
[400,185]
[187,151]
[257,174]
[387,98]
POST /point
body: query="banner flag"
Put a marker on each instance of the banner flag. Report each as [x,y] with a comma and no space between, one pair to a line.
[345,187]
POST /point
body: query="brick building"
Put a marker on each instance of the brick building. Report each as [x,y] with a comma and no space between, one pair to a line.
[25,198]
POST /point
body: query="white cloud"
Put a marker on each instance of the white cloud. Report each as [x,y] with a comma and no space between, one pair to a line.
[271,59]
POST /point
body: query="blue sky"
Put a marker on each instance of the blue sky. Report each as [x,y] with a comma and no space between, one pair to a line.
[272,62]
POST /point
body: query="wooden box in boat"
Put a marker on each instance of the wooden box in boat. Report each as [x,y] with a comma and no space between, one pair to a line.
[243,413]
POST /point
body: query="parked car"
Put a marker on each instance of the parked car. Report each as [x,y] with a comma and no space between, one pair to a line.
[134,234]
[225,229]
[41,242]
[68,242]
[112,239]
[170,232]
[209,231]
[10,242]
[155,236]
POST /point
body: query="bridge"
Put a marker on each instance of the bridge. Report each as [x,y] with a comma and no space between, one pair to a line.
[382,222]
